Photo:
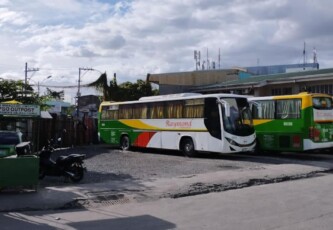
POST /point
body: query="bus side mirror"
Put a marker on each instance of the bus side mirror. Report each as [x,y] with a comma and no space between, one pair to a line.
[256,108]
[227,109]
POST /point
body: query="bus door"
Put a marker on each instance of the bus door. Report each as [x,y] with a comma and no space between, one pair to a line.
[212,122]
[212,118]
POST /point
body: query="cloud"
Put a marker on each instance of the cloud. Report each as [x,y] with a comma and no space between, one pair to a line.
[133,38]
[8,17]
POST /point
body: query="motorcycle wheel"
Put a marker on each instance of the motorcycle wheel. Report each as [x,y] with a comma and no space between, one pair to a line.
[77,170]
[41,174]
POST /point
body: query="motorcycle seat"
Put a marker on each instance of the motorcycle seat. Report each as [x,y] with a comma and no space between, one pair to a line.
[63,158]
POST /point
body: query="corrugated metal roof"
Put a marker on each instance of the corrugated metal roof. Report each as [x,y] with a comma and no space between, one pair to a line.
[263,79]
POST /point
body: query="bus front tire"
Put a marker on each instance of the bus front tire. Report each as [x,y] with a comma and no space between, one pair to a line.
[124,142]
[187,147]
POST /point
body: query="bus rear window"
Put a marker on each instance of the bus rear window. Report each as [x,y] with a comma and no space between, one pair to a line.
[322,103]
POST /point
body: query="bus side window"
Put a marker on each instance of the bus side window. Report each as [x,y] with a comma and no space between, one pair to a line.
[125,112]
[156,110]
[263,110]
[288,109]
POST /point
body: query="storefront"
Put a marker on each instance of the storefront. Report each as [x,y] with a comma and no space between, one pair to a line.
[16,122]
[20,118]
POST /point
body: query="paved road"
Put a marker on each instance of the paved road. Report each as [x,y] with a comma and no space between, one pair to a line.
[302,204]
[115,176]
[108,164]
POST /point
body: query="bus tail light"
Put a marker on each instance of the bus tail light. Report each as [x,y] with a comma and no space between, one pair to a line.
[296,141]
[314,134]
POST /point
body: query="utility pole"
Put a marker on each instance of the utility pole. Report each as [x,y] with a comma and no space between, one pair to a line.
[79,87]
[26,76]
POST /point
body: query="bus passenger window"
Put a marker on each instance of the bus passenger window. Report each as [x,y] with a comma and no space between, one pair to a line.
[288,109]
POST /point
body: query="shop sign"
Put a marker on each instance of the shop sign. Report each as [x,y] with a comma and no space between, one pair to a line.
[19,110]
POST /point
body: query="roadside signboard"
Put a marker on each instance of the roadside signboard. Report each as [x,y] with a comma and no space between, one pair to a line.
[19,110]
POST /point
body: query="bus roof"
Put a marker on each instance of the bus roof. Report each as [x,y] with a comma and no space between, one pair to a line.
[171,97]
[290,96]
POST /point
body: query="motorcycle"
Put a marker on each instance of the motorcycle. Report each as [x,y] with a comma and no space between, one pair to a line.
[71,166]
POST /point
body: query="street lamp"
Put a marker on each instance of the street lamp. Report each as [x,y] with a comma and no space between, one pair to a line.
[41,82]
[38,83]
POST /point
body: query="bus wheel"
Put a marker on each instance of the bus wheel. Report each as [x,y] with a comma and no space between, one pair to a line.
[187,147]
[124,142]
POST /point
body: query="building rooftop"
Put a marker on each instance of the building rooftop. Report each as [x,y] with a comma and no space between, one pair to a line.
[262,80]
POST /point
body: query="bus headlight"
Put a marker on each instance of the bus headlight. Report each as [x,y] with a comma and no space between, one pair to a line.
[232,142]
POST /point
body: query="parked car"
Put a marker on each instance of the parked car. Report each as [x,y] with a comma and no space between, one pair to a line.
[8,141]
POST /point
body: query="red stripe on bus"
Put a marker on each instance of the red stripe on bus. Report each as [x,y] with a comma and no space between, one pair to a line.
[143,139]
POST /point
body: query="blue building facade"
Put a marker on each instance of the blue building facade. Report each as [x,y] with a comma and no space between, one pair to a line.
[276,69]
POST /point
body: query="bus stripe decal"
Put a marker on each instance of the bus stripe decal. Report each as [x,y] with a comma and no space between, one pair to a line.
[262,121]
[143,139]
[137,124]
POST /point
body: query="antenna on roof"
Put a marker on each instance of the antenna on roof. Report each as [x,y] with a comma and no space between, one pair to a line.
[315,61]
[208,63]
[304,57]
[197,59]
[219,57]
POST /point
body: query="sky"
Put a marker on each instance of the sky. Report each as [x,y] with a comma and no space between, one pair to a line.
[132,38]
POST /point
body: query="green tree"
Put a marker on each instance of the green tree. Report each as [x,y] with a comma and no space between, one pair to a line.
[17,90]
[126,91]
[101,85]
[58,95]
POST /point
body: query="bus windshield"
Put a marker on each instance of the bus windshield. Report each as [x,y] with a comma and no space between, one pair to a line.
[238,120]
[322,103]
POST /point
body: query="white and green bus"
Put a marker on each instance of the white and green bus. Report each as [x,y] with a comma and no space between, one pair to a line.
[295,123]
[189,122]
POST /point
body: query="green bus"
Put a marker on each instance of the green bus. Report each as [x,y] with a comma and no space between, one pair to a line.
[293,123]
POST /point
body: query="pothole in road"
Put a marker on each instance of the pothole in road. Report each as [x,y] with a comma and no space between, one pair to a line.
[202,188]
[97,199]
[228,167]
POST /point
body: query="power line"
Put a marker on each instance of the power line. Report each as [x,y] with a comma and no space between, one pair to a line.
[61,86]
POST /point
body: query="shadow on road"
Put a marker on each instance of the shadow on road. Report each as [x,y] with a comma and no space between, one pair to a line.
[33,221]
[304,158]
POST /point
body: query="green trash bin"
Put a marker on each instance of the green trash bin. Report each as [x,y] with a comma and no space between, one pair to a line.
[18,171]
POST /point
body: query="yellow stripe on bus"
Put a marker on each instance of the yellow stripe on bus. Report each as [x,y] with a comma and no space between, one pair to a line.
[138,124]
[260,121]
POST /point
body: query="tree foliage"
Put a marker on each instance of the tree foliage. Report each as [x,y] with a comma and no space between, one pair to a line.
[126,91]
[18,91]
[58,95]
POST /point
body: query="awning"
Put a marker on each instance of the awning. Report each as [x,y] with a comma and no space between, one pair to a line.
[45,115]
[11,102]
